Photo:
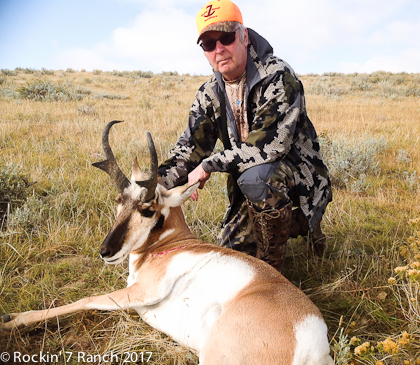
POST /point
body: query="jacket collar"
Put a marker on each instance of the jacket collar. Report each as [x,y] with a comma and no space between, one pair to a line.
[258,51]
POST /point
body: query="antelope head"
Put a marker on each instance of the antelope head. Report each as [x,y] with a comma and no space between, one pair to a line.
[142,204]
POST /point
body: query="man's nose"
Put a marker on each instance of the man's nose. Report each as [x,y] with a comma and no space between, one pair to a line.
[219,47]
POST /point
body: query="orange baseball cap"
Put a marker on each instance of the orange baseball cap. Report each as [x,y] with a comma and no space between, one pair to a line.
[220,15]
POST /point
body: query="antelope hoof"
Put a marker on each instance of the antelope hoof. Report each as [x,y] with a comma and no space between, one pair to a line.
[5,318]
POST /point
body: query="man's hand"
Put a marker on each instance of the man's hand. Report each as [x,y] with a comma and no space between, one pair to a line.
[198,174]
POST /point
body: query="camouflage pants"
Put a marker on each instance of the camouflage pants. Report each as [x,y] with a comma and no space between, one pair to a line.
[269,185]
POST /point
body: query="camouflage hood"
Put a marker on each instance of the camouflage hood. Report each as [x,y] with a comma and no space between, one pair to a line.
[262,50]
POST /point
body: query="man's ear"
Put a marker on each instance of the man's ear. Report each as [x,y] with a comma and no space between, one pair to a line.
[176,196]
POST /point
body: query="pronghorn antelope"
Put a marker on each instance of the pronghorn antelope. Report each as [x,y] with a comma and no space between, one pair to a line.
[228,307]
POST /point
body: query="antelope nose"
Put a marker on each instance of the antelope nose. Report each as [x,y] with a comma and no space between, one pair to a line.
[104,252]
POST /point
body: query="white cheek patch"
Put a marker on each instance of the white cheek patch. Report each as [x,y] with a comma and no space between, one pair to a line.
[136,241]
[312,347]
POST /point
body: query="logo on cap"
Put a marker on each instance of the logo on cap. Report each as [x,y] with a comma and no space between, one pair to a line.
[208,13]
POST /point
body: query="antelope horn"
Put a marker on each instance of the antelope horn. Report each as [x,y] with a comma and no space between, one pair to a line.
[151,183]
[110,165]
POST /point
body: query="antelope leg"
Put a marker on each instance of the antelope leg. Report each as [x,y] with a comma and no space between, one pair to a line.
[120,299]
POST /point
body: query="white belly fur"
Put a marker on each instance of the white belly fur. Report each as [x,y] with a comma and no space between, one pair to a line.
[196,301]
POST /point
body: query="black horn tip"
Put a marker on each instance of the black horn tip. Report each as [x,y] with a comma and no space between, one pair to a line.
[149,138]
[109,125]
[115,121]
[106,130]
[152,148]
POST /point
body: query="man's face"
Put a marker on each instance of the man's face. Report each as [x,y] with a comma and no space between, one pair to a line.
[229,60]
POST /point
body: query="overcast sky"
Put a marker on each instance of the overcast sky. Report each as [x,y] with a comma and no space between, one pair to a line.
[313,36]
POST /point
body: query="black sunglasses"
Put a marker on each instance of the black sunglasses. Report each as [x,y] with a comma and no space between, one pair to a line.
[225,39]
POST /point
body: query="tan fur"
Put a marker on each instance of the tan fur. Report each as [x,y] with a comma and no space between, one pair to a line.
[262,314]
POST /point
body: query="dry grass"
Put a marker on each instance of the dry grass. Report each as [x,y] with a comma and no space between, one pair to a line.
[49,242]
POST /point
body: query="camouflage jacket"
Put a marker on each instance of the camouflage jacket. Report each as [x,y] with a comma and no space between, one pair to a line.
[279,128]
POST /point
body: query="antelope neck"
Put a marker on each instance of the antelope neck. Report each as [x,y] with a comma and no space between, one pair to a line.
[172,249]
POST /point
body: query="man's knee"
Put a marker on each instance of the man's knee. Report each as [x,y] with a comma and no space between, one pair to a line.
[269,183]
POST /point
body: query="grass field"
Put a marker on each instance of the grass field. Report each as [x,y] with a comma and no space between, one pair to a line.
[56,208]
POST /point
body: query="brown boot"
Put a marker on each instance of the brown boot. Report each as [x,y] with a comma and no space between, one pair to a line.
[300,226]
[271,228]
[318,241]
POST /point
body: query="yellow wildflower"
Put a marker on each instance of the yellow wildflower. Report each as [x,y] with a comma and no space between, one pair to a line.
[400,269]
[413,222]
[415,265]
[391,281]
[406,362]
[413,300]
[362,349]
[379,362]
[405,339]
[389,346]
[411,239]
[413,272]
[355,341]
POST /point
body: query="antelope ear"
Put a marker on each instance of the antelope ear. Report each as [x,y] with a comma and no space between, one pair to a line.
[176,196]
[136,173]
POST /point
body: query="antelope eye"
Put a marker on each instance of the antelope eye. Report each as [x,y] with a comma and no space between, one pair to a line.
[118,199]
[147,212]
